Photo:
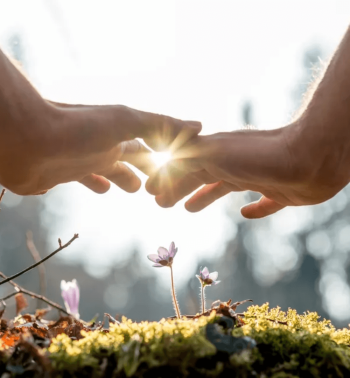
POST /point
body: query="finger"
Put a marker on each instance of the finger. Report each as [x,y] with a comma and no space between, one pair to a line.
[164,179]
[158,131]
[100,128]
[124,177]
[96,183]
[132,152]
[176,193]
[41,193]
[138,155]
[168,196]
[170,175]
[209,194]
[261,208]
[205,177]
[170,133]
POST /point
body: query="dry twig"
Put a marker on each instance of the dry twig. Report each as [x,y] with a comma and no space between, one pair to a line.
[20,289]
[41,261]
[36,256]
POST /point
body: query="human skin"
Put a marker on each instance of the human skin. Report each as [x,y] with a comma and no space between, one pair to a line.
[304,163]
[43,144]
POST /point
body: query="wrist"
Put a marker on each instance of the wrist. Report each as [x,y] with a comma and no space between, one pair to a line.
[320,158]
[26,147]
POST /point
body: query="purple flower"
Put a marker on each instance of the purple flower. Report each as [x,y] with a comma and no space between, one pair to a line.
[70,293]
[164,257]
[207,278]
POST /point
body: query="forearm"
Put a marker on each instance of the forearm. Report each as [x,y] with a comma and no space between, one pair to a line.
[19,101]
[322,133]
[24,125]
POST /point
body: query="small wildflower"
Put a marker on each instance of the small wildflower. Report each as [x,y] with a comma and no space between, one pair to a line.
[206,278]
[70,293]
[164,257]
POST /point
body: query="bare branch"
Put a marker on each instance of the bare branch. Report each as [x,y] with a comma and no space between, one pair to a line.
[9,296]
[41,261]
[41,268]
[20,289]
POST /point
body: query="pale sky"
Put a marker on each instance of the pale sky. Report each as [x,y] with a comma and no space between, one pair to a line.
[190,59]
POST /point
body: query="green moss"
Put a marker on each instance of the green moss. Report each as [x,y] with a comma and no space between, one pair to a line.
[303,346]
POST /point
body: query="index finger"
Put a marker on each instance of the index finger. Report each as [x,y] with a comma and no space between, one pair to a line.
[160,131]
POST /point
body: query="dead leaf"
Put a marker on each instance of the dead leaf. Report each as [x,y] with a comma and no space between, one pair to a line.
[53,332]
[41,312]
[8,340]
[28,318]
[21,303]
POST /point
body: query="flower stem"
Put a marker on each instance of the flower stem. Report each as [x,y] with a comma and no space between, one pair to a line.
[176,305]
[203,299]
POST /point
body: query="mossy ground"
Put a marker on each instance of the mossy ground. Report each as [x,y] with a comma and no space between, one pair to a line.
[298,346]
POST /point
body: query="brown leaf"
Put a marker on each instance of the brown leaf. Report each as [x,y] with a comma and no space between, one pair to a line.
[21,303]
[28,318]
[41,312]
[39,331]
[63,322]
[8,339]
[73,331]
[53,332]
[236,304]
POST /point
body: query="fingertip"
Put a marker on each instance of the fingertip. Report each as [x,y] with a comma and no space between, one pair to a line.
[164,202]
[151,187]
[192,207]
[247,212]
[41,193]
[134,186]
[96,183]
[197,126]
[261,208]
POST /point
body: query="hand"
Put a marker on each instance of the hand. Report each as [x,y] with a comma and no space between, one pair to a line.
[87,144]
[43,144]
[273,163]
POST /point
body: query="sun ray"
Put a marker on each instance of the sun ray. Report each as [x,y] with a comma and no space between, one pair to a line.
[161,158]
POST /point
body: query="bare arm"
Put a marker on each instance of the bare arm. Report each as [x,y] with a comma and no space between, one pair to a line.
[43,144]
[306,162]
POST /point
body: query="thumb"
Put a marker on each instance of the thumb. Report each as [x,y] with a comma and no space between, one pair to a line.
[99,128]
[261,208]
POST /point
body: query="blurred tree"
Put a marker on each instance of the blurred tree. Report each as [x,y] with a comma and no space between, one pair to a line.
[247,113]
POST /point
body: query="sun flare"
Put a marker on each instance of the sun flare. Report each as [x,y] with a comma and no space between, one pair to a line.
[161,158]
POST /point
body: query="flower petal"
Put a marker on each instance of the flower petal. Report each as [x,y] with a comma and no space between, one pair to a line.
[63,285]
[153,257]
[173,253]
[205,272]
[172,249]
[158,265]
[213,276]
[71,294]
[162,252]
[215,282]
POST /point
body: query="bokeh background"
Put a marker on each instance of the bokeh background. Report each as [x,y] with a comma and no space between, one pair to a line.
[225,63]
